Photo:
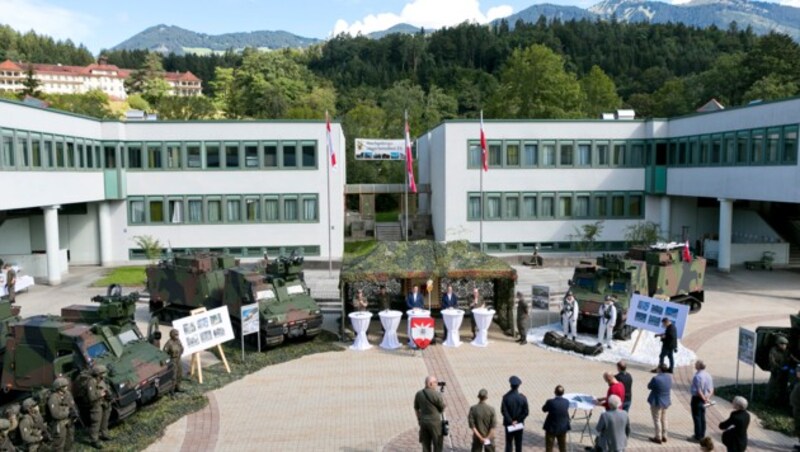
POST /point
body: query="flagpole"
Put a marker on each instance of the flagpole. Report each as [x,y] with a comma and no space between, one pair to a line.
[405,225]
[328,181]
[480,170]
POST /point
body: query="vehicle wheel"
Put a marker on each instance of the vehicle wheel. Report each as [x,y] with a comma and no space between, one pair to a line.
[694,306]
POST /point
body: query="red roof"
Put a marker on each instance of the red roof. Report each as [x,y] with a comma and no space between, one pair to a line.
[181,76]
[91,71]
[9,65]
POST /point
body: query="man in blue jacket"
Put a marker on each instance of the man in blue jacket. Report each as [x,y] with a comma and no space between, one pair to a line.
[515,410]
[414,299]
[449,301]
[556,424]
[659,399]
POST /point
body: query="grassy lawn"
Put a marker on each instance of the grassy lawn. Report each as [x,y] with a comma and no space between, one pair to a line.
[385,217]
[150,421]
[353,249]
[124,276]
[773,418]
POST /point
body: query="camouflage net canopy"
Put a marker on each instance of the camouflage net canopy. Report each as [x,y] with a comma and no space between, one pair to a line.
[424,259]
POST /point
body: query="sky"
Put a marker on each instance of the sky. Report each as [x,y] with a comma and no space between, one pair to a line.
[102,24]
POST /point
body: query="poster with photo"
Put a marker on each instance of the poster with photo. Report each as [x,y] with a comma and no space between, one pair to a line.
[747,346]
[204,330]
[646,313]
[540,297]
[250,319]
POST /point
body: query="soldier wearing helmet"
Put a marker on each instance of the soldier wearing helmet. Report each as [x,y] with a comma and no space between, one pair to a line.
[608,319]
[174,349]
[30,430]
[60,406]
[5,442]
[99,396]
[779,371]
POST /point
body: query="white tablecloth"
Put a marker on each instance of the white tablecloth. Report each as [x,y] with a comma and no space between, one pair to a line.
[411,314]
[360,324]
[390,321]
[584,403]
[452,319]
[483,318]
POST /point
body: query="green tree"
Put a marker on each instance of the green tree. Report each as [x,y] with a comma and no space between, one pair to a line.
[31,84]
[150,245]
[770,87]
[534,84]
[137,102]
[93,103]
[586,235]
[643,233]
[672,99]
[186,108]
[148,80]
[600,93]
[367,120]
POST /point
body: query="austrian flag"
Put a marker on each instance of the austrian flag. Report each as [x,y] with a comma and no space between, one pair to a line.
[329,140]
[410,162]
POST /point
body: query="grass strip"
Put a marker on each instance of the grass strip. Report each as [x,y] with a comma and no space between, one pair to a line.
[133,276]
[359,248]
[772,417]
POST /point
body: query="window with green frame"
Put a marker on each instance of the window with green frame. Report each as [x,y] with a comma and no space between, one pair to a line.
[493,206]
[742,147]
[619,154]
[154,155]
[7,151]
[60,162]
[252,211]
[495,154]
[172,153]
[136,213]
[602,153]
[582,205]
[213,159]
[194,211]
[757,147]
[511,206]
[529,205]
[175,210]
[565,206]
[214,210]
[155,210]
[530,154]
[635,206]
[474,206]
[512,154]
[308,152]
[566,154]
[705,150]
[310,210]
[636,154]
[584,154]
[289,154]
[134,155]
[473,154]
[36,151]
[272,209]
[270,155]
[773,145]
[290,208]
[232,155]
[789,145]
[194,158]
[251,155]
[548,154]
[730,149]
[617,205]
[547,206]
[48,159]
[716,149]
[233,209]
[22,148]
[600,205]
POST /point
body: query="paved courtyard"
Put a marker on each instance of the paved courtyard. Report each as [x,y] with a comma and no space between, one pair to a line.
[362,401]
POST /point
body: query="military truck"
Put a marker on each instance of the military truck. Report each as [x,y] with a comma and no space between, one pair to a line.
[765,340]
[42,347]
[286,308]
[656,271]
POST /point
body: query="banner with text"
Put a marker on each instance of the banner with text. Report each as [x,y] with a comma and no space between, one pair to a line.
[369,149]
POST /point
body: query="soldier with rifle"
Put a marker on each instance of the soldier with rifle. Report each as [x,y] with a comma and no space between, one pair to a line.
[174,349]
[61,408]
[30,430]
[99,397]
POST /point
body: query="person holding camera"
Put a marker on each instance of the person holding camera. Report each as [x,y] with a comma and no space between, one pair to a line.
[482,421]
[515,410]
[429,407]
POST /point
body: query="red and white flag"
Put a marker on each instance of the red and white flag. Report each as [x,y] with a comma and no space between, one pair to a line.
[410,162]
[329,140]
[484,153]
[687,256]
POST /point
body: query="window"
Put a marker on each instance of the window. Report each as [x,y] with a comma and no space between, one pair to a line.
[251,155]
[529,206]
[175,211]
[474,155]
[81,151]
[48,159]
[231,155]
[705,150]
[716,149]
[493,211]
[512,154]
[600,206]
[270,155]
[682,157]
[582,206]
[636,154]
[154,155]
[110,151]
[156,210]
[233,210]
[584,154]
[22,148]
[530,154]
[309,155]
[565,206]
[790,145]
[309,209]
[511,206]
[36,152]
[195,210]
[757,147]
[136,211]
[730,149]
[7,150]
[289,154]
[567,154]
[193,158]
[619,154]
[59,154]
[271,209]
[495,154]
[173,155]
[602,153]
[635,206]
[548,206]
[741,148]
[548,154]
[251,209]
[618,205]
[212,156]
[214,210]
[289,209]
[474,207]
[773,145]
[134,155]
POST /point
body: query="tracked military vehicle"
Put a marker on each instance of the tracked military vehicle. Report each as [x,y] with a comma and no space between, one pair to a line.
[286,308]
[40,348]
[656,271]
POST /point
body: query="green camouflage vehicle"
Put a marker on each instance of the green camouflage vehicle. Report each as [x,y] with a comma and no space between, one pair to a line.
[210,280]
[657,271]
[286,309]
[765,339]
[42,347]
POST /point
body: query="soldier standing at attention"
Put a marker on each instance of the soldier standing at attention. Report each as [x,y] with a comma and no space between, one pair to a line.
[523,319]
[174,349]
[99,405]
[11,280]
[778,371]
[383,298]
[29,429]
[608,318]
[59,405]
[482,421]
[569,316]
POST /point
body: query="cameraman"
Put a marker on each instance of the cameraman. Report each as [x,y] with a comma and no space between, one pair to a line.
[429,407]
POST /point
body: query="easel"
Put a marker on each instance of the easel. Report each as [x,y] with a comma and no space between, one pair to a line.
[196,363]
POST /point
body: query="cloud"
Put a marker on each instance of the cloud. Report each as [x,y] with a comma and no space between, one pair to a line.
[425,13]
[46,19]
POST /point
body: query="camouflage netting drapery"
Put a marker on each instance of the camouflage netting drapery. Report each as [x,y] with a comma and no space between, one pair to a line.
[428,259]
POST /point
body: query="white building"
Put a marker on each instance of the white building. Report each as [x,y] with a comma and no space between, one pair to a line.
[78,190]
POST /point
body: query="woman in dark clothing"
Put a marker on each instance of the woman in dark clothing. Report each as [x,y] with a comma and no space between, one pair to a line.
[734,435]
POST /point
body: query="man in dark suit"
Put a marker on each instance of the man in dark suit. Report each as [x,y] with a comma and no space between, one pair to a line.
[556,424]
[669,344]
[414,299]
[449,301]
[515,410]
[734,436]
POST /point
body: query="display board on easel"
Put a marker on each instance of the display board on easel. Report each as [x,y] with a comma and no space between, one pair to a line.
[202,330]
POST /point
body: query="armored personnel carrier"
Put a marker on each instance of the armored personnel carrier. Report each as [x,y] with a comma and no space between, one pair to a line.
[40,348]
[656,271]
[286,308]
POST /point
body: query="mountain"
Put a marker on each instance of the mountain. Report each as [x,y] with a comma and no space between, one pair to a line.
[763,17]
[169,38]
[407,29]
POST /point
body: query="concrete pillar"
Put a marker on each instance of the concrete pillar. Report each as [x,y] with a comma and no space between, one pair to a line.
[104,224]
[725,229]
[51,244]
[666,217]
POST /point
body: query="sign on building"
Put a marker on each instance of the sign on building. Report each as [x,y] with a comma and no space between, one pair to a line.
[369,149]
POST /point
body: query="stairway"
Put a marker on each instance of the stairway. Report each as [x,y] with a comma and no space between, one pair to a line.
[388,232]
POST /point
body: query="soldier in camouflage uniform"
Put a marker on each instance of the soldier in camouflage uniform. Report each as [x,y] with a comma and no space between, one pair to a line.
[174,349]
[30,430]
[5,443]
[779,372]
[59,407]
[523,318]
[99,397]
[12,415]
